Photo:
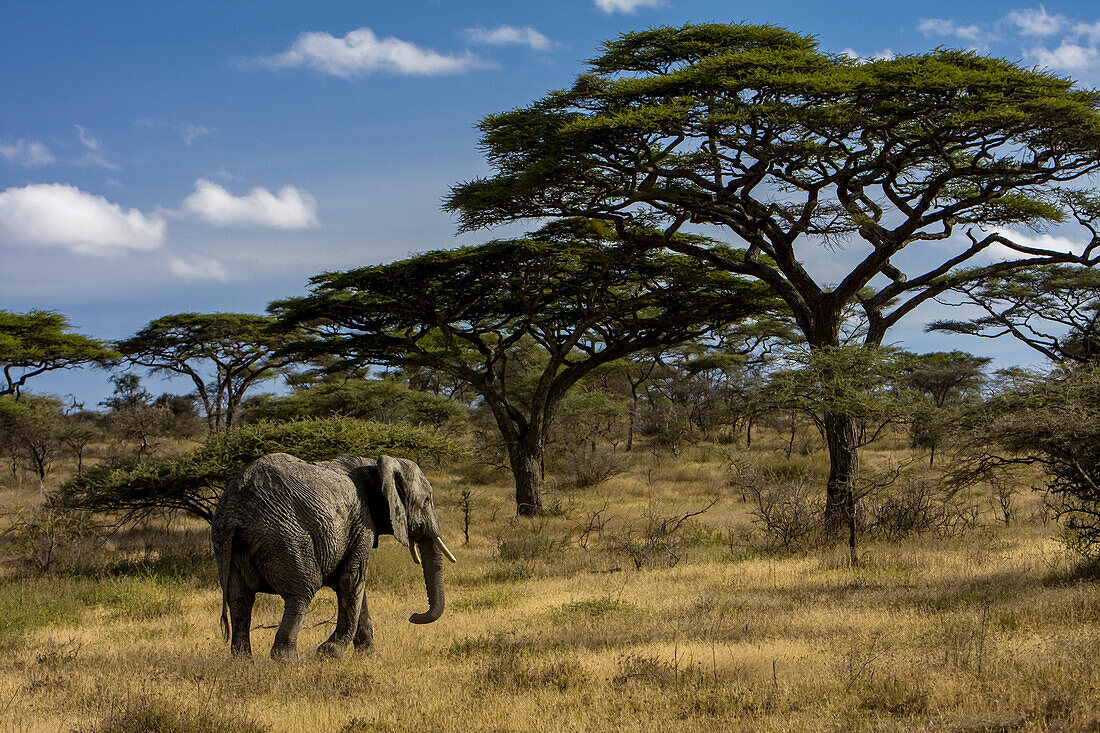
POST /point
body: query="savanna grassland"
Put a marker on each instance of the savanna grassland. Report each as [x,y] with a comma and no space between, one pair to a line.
[602,615]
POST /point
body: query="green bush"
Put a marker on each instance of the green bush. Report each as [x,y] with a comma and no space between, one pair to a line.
[192,481]
[141,599]
[29,604]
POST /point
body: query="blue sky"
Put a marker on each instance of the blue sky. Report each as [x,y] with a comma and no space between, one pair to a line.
[166,157]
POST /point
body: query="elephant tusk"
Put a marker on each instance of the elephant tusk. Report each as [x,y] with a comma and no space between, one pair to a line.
[446,552]
[414,552]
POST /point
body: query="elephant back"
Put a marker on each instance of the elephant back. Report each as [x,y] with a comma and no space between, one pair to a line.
[279,484]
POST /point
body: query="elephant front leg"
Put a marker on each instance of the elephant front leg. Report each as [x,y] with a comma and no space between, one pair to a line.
[286,638]
[349,597]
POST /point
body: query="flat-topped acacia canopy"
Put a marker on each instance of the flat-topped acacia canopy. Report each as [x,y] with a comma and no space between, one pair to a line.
[582,296]
[755,129]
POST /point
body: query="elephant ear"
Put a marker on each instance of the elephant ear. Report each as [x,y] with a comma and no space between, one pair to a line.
[418,497]
[388,470]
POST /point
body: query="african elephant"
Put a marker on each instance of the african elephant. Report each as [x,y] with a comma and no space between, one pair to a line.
[288,527]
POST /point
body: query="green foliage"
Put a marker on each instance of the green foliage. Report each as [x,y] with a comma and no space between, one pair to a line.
[37,341]
[586,428]
[785,147]
[454,309]
[377,400]
[30,604]
[944,376]
[133,417]
[141,598]
[224,354]
[946,381]
[704,123]
[31,431]
[520,321]
[856,382]
[1053,420]
[192,481]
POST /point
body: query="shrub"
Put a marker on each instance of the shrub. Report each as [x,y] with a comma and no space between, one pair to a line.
[657,540]
[592,464]
[1051,420]
[44,533]
[917,507]
[787,513]
[192,481]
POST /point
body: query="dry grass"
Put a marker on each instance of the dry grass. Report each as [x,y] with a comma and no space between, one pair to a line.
[548,629]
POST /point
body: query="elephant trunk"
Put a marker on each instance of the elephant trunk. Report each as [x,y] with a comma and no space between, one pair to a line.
[432,562]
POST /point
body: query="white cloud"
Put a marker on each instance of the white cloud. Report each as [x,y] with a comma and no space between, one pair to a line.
[1068,45]
[1089,30]
[1067,57]
[63,215]
[525,36]
[188,132]
[87,139]
[1032,22]
[94,156]
[291,208]
[884,55]
[27,154]
[941,27]
[362,52]
[626,6]
[1048,242]
[198,268]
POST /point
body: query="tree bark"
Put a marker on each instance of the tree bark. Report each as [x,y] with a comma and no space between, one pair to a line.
[526,459]
[630,423]
[790,440]
[840,503]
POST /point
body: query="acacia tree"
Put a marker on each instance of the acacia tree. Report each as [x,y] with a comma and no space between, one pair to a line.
[30,431]
[1046,419]
[36,342]
[224,355]
[754,129]
[945,378]
[1054,309]
[583,299]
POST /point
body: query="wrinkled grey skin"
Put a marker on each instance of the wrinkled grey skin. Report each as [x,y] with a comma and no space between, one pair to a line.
[288,527]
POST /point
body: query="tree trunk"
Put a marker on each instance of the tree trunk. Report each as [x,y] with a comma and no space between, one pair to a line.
[790,441]
[525,456]
[748,433]
[840,502]
[630,423]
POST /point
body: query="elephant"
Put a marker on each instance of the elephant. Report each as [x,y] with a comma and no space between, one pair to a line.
[288,527]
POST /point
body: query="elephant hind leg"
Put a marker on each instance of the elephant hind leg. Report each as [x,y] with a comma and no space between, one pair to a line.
[240,599]
[286,638]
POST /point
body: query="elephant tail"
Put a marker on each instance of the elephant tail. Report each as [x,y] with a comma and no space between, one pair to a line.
[224,549]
